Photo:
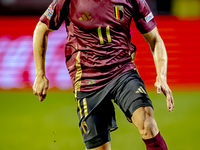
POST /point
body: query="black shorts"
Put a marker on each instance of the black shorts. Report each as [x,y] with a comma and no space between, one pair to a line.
[96,111]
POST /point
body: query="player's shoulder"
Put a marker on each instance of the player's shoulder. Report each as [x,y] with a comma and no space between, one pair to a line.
[56,2]
[60,3]
[139,2]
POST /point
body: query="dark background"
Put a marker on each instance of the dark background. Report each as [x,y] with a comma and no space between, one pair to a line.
[37,7]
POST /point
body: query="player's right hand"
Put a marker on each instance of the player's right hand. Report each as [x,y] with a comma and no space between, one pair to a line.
[40,87]
[162,86]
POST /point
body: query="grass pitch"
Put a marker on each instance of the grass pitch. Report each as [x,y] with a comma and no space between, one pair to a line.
[27,124]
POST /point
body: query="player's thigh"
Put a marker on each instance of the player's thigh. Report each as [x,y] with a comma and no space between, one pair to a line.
[131,94]
[96,119]
[98,135]
[143,119]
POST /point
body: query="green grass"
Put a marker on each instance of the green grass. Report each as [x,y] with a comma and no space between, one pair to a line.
[27,124]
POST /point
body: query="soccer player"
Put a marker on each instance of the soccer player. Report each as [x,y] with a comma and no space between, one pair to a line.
[98,57]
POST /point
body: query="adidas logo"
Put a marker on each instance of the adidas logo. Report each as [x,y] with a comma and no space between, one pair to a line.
[85,16]
[90,82]
[141,90]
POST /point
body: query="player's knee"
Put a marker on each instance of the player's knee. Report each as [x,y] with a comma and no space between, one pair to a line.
[145,123]
[149,129]
[143,127]
[148,125]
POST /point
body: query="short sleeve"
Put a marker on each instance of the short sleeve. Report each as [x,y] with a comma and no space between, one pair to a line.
[143,16]
[56,13]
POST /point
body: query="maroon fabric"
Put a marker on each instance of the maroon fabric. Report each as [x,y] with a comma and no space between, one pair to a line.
[101,58]
[156,143]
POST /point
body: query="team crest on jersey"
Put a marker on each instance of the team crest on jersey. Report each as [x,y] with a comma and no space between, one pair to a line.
[119,12]
[49,12]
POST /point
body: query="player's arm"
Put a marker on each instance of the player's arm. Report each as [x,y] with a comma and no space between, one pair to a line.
[160,58]
[40,39]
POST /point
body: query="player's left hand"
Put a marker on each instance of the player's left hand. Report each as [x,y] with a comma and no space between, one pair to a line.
[162,86]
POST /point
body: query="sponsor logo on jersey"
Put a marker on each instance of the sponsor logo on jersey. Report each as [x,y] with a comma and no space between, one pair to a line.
[90,82]
[119,12]
[149,17]
[49,12]
[85,16]
[141,90]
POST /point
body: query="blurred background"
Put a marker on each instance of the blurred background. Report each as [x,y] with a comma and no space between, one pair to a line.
[178,23]
[37,7]
[52,124]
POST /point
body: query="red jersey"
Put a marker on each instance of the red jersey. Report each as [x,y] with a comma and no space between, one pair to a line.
[98,46]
